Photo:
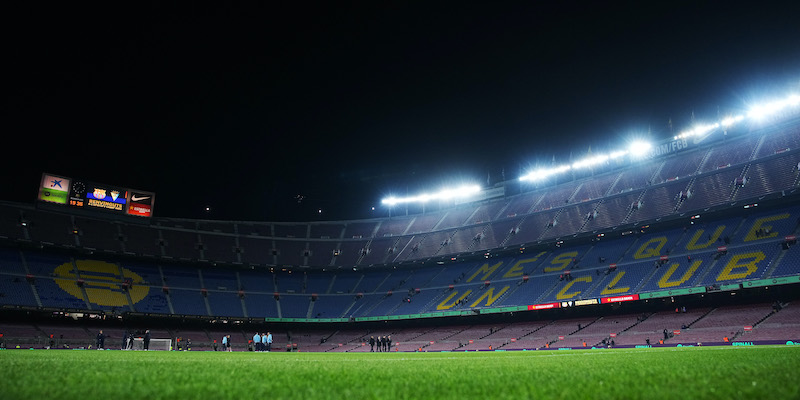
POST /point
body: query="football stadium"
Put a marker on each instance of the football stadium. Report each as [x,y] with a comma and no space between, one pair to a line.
[666,266]
[684,250]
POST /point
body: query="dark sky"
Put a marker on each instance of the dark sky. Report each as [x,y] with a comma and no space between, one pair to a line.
[242,107]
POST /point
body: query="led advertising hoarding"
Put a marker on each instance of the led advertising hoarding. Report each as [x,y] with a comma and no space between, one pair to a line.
[90,195]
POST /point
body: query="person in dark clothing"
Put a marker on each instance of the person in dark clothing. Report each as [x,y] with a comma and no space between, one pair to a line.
[385,343]
[146,340]
[389,343]
[101,340]
[372,344]
[124,341]
[381,342]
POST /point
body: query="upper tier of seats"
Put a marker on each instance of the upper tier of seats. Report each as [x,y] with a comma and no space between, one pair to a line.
[704,254]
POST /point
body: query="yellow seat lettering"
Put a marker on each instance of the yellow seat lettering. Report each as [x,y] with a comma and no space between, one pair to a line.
[651,248]
[563,294]
[490,297]
[759,224]
[486,270]
[693,245]
[736,263]
[561,261]
[446,304]
[665,282]
[611,290]
[516,269]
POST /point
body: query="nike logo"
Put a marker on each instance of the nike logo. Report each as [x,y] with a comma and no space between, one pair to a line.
[136,198]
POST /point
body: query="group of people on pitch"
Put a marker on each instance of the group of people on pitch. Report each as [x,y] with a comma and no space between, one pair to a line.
[262,342]
[127,340]
[384,343]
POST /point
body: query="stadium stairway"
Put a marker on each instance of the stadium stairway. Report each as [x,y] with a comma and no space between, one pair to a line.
[740,332]
[698,319]
[529,333]
[689,325]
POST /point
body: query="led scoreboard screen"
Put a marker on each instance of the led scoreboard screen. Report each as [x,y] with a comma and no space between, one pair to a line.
[89,195]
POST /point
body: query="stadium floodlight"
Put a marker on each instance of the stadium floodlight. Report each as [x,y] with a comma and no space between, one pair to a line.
[639,148]
[590,162]
[544,173]
[698,130]
[731,120]
[444,194]
[617,154]
[764,110]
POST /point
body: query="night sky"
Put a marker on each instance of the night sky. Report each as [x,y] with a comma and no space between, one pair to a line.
[241,108]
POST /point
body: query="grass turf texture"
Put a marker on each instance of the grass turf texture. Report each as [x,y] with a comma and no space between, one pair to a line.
[665,373]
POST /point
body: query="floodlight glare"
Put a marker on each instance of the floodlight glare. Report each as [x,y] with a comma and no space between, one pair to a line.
[618,154]
[639,148]
[589,162]
[544,173]
[444,194]
[766,109]
[731,120]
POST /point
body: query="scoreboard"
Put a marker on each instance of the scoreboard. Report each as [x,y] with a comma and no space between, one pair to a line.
[77,193]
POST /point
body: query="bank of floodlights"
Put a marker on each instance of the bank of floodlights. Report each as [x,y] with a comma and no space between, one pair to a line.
[635,150]
[639,149]
[762,111]
[444,194]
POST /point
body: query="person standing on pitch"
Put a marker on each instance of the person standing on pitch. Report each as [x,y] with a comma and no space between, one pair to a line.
[389,343]
[263,342]
[146,340]
[101,340]
[224,343]
[269,341]
[229,343]
[372,344]
[257,342]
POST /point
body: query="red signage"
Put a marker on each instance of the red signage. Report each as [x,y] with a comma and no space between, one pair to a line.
[615,299]
[613,335]
[676,332]
[748,328]
[560,338]
[544,306]
[513,339]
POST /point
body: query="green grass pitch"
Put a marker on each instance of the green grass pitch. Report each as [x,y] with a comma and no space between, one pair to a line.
[663,373]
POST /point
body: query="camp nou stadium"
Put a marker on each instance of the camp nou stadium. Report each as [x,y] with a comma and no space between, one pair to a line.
[665,261]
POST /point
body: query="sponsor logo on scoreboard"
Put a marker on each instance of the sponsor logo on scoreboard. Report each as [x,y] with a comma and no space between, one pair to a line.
[54,189]
[140,204]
